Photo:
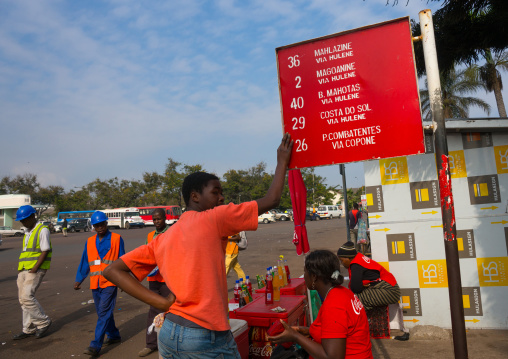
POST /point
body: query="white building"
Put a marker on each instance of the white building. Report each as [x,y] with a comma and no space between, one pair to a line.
[9,204]
[406,225]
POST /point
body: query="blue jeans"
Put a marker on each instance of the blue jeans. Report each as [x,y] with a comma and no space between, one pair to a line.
[105,300]
[176,341]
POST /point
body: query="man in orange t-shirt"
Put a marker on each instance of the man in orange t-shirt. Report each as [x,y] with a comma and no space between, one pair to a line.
[190,257]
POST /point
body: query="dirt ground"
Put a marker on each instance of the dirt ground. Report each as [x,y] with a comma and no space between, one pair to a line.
[74,319]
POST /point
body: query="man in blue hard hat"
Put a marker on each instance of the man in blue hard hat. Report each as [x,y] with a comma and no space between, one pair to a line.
[100,251]
[34,261]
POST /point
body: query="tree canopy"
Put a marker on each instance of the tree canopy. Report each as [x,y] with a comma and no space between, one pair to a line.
[463,30]
[160,189]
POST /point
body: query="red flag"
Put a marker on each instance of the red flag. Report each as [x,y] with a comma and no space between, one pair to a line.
[298,194]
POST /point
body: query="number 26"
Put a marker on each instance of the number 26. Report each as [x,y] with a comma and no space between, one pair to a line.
[301,145]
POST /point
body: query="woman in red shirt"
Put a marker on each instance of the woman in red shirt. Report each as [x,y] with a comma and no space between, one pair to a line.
[341,329]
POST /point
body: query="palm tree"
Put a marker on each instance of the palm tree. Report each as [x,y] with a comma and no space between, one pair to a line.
[491,77]
[454,85]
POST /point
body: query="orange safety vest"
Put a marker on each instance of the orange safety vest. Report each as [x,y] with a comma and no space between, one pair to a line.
[97,265]
[368,263]
[158,276]
[232,247]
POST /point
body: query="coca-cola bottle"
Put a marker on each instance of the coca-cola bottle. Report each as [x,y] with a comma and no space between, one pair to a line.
[236,291]
[287,271]
[249,285]
[269,287]
[242,302]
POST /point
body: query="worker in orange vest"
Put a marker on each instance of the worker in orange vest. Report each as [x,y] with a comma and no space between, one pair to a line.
[155,281]
[100,251]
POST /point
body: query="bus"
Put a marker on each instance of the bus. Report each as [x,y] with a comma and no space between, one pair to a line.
[73,215]
[124,218]
[173,214]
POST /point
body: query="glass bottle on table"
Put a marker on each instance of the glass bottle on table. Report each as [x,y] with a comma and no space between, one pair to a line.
[236,291]
[249,285]
[282,271]
[276,284]
[269,287]
[246,294]
[288,274]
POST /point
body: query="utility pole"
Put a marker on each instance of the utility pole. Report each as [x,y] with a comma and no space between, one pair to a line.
[445,186]
[344,199]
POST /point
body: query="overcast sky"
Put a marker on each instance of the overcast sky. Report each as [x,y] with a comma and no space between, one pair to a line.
[113,88]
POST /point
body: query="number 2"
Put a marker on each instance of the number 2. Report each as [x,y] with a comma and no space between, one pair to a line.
[298,80]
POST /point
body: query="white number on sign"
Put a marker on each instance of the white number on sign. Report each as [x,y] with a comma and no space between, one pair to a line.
[299,123]
[301,145]
[294,62]
[298,80]
[297,103]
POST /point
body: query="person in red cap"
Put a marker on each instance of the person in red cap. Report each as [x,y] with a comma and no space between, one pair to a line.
[370,281]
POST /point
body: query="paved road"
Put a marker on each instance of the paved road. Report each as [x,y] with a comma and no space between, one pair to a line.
[74,319]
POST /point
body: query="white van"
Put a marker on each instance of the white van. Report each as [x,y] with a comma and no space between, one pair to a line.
[328,211]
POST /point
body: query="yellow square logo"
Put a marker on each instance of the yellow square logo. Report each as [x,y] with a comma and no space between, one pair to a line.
[492,271]
[501,154]
[432,273]
[422,195]
[460,244]
[398,247]
[394,170]
[457,164]
[406,302]
[370,200]
[466,301]
[481,189]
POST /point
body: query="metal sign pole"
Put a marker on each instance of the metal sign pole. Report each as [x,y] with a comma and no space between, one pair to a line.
[445,186]
[344,197]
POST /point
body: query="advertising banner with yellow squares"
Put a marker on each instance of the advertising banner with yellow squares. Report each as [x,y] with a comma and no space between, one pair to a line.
[404,206]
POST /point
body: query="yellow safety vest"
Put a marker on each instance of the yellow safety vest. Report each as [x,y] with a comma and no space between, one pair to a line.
[31,253]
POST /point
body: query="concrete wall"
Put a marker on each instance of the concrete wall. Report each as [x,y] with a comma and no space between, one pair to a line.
[406,228]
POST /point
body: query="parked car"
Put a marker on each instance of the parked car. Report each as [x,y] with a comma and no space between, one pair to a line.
[328,211]
[9,232]
[266,217]
[279,215]
[58,227]
[78,224]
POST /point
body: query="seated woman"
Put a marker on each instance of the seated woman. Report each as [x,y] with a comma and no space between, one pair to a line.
[341,329]
[370,281]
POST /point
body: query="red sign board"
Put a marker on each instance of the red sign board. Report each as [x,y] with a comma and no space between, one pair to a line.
[351,96]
